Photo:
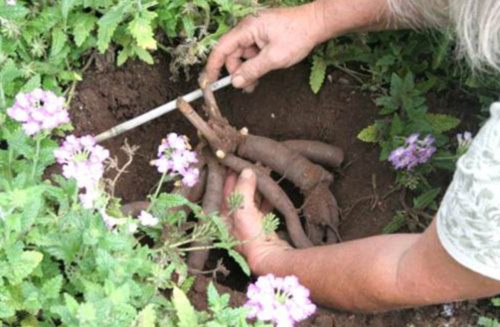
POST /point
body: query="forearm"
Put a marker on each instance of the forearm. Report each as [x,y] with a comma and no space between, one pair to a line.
[356,276]
[339,17]
[381,273]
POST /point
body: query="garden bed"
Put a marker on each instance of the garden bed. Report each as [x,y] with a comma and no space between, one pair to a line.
[282,107]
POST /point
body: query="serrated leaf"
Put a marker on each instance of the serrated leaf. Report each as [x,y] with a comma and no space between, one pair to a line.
[144,55]
[34,82]
[184,310]
[109,22]
[318,72]
[52,287]
[24,265]
[6,311]
[442,123]
[426,199]
[240,260]
[398,221]
[59,39]
[16,12]
[141,30]
[66,6]
[396,125]
[83,25]
[147,317]
[369,134]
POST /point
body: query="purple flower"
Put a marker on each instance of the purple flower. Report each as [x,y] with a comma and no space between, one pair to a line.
[39,111]
[280,300]
[82,159]
[414,152]
[148,219]
[175,158]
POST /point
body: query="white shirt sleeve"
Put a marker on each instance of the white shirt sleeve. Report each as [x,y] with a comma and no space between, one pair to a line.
[468,220]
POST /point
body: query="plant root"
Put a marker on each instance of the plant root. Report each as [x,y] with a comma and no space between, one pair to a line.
[318,152]
[212,201]
[292,160]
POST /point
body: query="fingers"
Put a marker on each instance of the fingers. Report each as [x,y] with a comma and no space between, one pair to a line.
[228,188]
[249,71]
[238,39]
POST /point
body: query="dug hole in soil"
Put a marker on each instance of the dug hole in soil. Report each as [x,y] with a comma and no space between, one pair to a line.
[282,107]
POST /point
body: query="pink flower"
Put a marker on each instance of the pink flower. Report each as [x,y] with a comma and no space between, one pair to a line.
[39,111]
[83,160]
[280,300]
[148,219]
[175,158]
[11,2]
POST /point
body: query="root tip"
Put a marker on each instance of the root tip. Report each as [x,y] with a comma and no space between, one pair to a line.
[220,154]
[244,131]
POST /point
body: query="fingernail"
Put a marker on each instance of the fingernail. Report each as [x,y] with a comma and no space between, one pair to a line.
[238,81]
[247,173]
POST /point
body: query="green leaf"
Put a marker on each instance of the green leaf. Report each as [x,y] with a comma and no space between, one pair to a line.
[240,260]
[487,322]
[369,134]
[52,287]
[6,311]
[147,317]
[59,39]
[109,22]
[398,221]
[142,31]
[184,310]
[442,123]
[144,55]
[496,301]
[83,24]
[396,125]
[318,72]
[34,82]
[426,199]
[66,6]
[23,266]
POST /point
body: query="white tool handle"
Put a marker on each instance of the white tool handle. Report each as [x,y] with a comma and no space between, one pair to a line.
[155,113]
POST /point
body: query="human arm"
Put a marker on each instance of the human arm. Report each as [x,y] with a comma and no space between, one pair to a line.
[280,37]
[372,274]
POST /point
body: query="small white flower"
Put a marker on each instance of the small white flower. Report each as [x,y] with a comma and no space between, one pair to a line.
[148,219]
[132,228]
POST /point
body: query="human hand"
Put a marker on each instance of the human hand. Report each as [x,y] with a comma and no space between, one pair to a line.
[271,39]
[245,223]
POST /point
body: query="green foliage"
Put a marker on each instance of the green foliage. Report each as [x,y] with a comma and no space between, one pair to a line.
[235,201]
[318,72]
[61,265]
[401,69]
[44,43]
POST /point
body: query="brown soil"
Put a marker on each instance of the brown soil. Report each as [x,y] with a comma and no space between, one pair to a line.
[282,107]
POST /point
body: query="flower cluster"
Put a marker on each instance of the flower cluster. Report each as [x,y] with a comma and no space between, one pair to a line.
[413,153]
[82,159]
[11,2]
[148,219]
[175,158]
[39,111]
[280,300]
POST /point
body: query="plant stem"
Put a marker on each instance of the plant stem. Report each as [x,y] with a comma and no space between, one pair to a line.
[35,161]
[160,183]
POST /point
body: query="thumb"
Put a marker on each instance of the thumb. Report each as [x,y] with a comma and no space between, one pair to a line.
[246,186]
[249,71]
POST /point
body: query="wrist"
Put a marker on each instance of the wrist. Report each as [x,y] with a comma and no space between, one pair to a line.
[334,18]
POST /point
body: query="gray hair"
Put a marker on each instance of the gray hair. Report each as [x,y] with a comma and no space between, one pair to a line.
[476,24]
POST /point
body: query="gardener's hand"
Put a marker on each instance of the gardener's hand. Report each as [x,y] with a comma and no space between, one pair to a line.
[270,39]
[245,223]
